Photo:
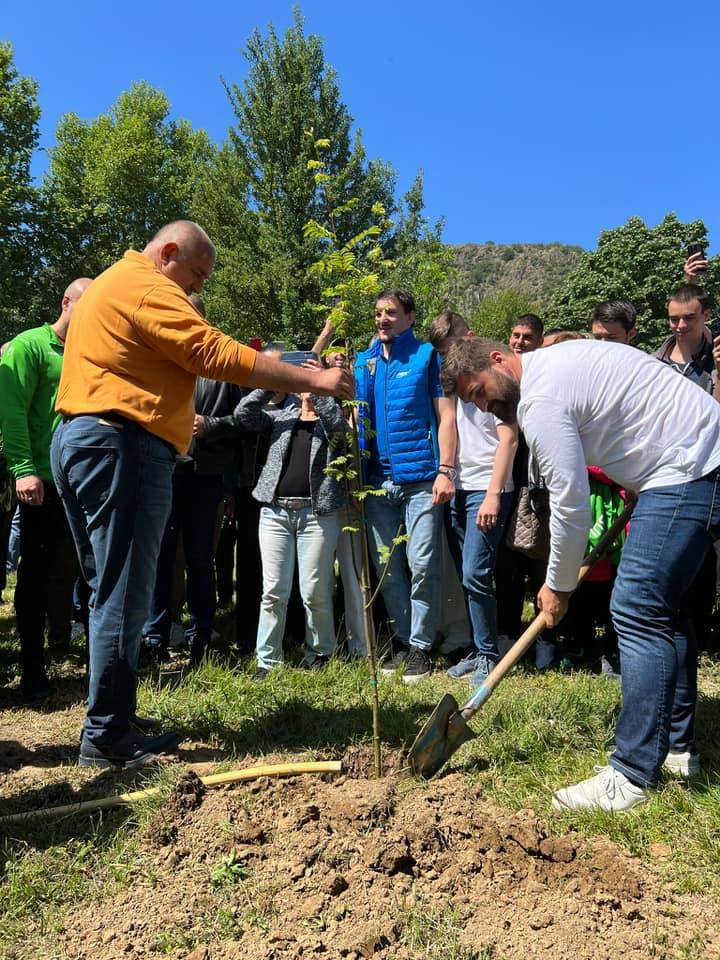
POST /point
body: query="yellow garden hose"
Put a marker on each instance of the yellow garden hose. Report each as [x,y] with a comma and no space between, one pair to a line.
[214,780]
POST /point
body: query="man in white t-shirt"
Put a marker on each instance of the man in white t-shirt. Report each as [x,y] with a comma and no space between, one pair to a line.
[587,402]
[477,514]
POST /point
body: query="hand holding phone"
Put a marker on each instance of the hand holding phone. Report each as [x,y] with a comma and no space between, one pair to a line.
[298,357]
[696,262]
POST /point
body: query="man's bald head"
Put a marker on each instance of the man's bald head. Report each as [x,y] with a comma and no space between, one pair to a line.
[184,253]
[76,289]
[188,235]
[72,294]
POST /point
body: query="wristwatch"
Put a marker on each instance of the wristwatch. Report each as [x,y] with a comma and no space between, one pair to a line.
[446,471]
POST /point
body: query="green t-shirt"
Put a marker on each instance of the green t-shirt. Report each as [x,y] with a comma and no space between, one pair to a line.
[29,377]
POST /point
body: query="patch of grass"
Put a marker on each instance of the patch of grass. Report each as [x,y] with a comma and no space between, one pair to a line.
[434,934]
[228,871]
[537,733]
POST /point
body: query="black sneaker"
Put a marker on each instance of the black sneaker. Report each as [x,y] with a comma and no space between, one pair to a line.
[198,650]
[394,664]
[146,725]
[417,666]
[314,661]
[152,654]
[261,674]
[131,751]
[36,690]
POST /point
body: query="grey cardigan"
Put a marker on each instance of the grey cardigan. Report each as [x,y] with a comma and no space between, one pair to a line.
[326,493]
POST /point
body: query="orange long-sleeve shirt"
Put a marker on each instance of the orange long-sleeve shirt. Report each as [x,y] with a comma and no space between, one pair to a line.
[135,347]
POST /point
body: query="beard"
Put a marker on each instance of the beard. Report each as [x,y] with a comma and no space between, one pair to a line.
[505,405]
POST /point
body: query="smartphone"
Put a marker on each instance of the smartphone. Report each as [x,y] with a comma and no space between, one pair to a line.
[298,357]
[715,328]
[693,248]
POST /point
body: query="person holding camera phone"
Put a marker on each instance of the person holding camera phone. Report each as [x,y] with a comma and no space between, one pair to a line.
[300,517]
[688,349]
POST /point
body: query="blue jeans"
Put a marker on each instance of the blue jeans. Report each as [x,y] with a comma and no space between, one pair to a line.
[285,534]
[414,605]
[671,530]
[195,503]
[474,552]
[115,481]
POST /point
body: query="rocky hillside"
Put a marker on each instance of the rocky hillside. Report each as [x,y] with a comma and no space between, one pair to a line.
[537,269]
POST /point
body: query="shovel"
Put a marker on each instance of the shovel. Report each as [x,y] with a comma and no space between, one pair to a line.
[447,729]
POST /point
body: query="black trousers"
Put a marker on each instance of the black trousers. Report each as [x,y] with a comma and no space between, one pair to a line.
[45,579]
[248,570]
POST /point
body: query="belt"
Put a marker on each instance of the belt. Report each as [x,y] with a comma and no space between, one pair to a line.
[293,503]
[119,421]
[111,417]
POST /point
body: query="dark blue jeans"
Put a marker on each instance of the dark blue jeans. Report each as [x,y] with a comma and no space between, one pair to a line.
[474,552]
[671,531]
[196,499]
[115,482]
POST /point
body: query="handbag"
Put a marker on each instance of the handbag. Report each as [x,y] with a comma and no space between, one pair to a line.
[528,529]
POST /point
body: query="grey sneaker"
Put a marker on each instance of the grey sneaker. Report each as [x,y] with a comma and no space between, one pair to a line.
[464,666]
[483,667]
[608,790]
[394,664]
[682,764]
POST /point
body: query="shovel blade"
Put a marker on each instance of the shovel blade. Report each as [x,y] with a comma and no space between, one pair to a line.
[442,734]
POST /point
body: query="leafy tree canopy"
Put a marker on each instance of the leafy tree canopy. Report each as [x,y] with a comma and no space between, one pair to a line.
[636,262]
[19,116]
[289,101]
[495,315]
[113,181]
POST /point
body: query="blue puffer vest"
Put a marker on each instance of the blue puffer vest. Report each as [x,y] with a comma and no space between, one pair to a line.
[411,424]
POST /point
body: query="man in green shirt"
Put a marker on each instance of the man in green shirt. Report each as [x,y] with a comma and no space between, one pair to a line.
[29,376]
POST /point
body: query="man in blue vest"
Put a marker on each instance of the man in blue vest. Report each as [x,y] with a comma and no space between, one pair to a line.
[411,445]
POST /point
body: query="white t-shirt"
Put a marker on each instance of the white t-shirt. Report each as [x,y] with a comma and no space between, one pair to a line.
[588,402]
[476,449]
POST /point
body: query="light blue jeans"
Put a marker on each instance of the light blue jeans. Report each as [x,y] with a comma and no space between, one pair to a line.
[413,605]
[284,535]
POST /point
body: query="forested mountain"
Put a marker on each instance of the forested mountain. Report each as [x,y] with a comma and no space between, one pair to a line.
[537,269]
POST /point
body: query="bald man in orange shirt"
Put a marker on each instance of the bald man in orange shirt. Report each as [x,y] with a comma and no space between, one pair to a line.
[135,348]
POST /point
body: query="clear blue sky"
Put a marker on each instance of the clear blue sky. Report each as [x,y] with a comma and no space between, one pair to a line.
[533,122]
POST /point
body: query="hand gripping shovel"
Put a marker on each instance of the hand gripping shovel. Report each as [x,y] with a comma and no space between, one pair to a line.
[446,729]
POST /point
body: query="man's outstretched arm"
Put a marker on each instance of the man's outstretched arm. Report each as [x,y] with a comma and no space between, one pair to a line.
[271,374]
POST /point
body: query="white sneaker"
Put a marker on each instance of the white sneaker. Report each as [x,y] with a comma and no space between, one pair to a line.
[682,764]
[607,790]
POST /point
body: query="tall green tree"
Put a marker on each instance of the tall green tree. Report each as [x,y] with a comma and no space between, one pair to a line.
[112,182]
[421,261]
[636,262]
[495,315]
[289,91]
[19,116]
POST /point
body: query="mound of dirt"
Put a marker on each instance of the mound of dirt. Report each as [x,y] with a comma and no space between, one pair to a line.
[353,868]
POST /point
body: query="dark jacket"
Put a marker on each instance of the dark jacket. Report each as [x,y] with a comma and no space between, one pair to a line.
[327,493]
[701,369]
[216,453]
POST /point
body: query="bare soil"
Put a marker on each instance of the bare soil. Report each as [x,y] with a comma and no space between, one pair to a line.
[354,867]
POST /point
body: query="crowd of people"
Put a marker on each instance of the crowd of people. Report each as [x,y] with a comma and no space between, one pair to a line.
[144,446]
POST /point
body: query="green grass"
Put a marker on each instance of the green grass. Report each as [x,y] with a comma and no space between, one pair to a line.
[537,733]
[433,934]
